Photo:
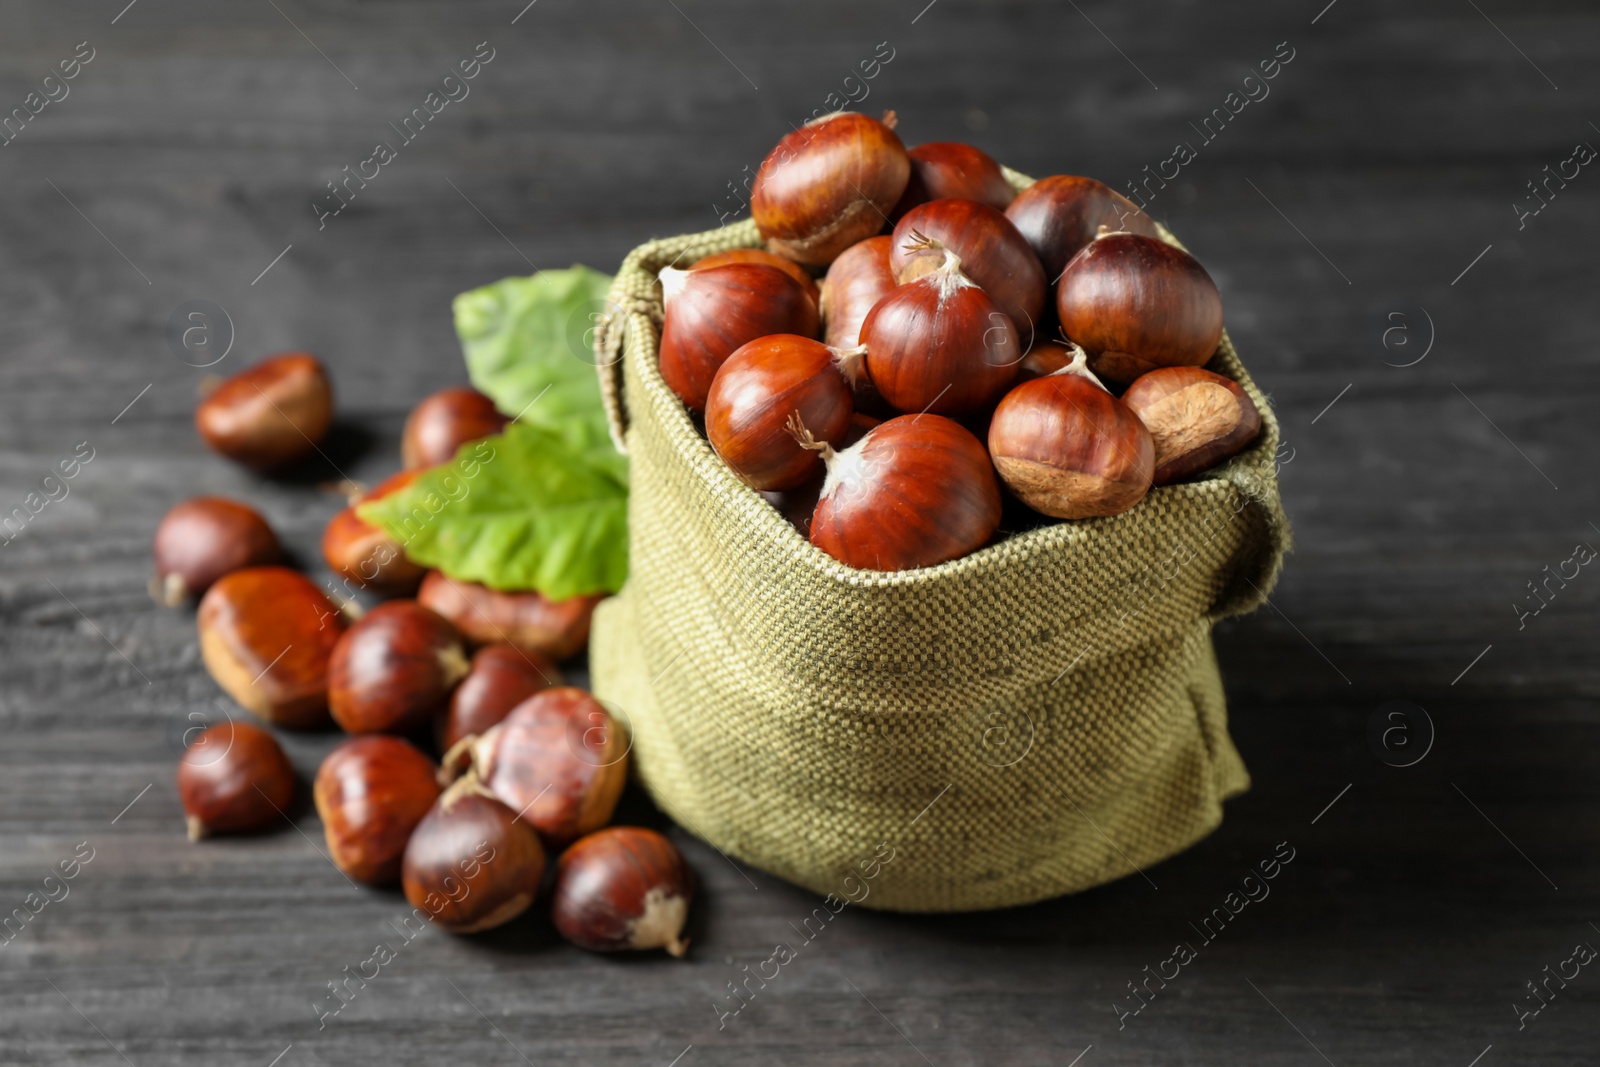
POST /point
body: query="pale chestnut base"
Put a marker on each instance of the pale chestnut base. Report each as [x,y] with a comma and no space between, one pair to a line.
[1064,494]
[661,923]
[1190,419]
[855,223]
[503,914]
[238,680]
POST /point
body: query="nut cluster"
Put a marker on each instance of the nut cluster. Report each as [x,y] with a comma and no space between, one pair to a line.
[942,291]
[530,766]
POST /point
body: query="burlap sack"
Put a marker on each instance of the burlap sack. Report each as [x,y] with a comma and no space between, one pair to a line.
[1039,717]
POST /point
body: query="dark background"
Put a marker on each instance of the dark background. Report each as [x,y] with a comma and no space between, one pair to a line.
[186,158]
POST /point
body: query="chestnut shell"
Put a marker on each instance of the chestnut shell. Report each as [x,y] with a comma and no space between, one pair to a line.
[271,414]
[502,676]
[471,864]
[1196,419]
[234,779]
[445,421]
[710,313]
[758,389]
[1069,449]
[916,491]
[942,170]
[266,636]
[828,185]
[393,670]
[1058,216]
[553,628]
[558,760]
[370,793]
[202,539]
[1135,304]
[365,555]
[992,252]
[621,888]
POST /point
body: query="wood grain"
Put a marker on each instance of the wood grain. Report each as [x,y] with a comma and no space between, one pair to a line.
[1386,157]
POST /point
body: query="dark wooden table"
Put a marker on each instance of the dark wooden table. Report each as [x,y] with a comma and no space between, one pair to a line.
[1367,201]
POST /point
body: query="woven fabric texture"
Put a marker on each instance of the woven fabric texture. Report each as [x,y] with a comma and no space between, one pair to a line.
[1039,717]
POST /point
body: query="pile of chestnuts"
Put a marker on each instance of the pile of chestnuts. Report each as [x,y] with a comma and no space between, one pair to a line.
[894,410]
[528,766]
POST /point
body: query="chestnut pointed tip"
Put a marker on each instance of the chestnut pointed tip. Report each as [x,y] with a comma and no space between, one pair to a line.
[196,829]
[677,947]
[170,591]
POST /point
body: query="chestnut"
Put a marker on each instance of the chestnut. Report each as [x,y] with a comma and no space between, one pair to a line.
[856,281]
[234,779]
[939,344]
[942,170]
[760,387]
[393,670]
[915,491]
[1135,303]
[269,415]
[621,888]
[1196,419]
[202,539]
[1045,357]
[1058,216]
[828,185]
[370,793]
[992,252]
[445,421]
[266,635]
[765,258]
[553,628]
[558,760]
[502,676]
[471,864]
[366,555]
[1068,448]
[710,313]
[798,503]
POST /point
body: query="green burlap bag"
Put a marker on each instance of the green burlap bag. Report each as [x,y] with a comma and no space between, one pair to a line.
[1039,717]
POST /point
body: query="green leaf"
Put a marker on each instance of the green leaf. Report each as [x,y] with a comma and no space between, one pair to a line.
[528,344]
[537,507]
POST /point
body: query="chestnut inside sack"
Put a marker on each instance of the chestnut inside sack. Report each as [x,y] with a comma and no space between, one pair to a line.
[963,725]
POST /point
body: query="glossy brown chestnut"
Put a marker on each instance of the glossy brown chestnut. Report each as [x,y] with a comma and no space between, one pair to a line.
[766,259]
[828,185]
[370,793]
[916,491]
[553,628]
[394,669]
[559,760]
[234,779]
[992,252]
[943,170]
[1195,418]
[623,888]
[1135,304]
[1045,357]
[762,386]
[1060,215]
[856,281]
[502,677]
[269,415]
[798,503]
[471,864]
[444,422]
[266,635]
[710,313]
[202,539]
[365,555]
[1069,449]
[939,344]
